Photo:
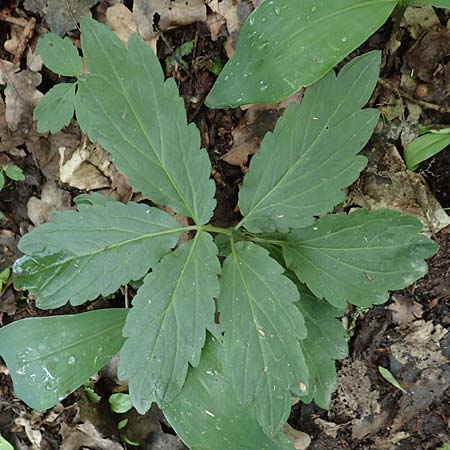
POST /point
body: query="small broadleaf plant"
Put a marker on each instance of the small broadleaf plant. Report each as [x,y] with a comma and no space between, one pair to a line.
[222,348]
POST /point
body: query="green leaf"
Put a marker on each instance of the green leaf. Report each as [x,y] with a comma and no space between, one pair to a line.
[94,198]
[286,45]
[262,327]
[358,257]
[60,55]
[122,424]
[437,3]
[305,163]
[167,325]
[425,146]
[55,110]
[126,106]
[387,375]
[325,342]
[4,277]
[2,179]
[120,403]
[92,252]
[14,172]
[49,357]
[4,444]
[207,414]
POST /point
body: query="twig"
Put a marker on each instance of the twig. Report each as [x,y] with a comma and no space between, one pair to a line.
[426,105]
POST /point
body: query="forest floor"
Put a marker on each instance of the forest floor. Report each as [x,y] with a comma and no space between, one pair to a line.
[408,335]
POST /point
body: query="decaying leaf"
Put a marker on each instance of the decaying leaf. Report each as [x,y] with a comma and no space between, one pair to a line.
[85,435]
[52,199]
[89,168]
[387,184]
[21,96]
[171,13]
[120,19]
[61,15]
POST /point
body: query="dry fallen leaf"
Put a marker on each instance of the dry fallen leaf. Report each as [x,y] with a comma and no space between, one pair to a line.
[120,19]
[404,310]
[172,13]
[387,184]
[300,440]
[90,168]
[21,96]
[85,435]
[52,199]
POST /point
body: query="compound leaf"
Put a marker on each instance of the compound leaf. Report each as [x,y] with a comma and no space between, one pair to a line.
[60,55]
[289,44]
[311,156]
[324,344]
[167,325]
[126,106]
[207,412]
[91,252]
[55,110]
[49,357]
[262,327]
[358,257]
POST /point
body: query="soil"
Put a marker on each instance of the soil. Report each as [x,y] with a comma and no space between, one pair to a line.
[407,335]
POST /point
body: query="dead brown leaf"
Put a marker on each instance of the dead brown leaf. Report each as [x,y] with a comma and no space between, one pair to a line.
[404,310]
[52,199]
[21,96]
[89,167]
[120,19]
[85,435]
[387,184]
[172,13]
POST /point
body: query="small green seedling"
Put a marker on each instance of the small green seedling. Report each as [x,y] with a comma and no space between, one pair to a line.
[120,404]
[12,172]
[176,58]
[387,375]
[4,277]
[427,145]
[222,348]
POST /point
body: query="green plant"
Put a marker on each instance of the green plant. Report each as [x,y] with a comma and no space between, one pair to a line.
[287,274]
[286,45]
[444,447]
[12,172]
[428,144]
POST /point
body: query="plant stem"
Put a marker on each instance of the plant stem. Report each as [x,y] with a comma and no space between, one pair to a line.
[211,229]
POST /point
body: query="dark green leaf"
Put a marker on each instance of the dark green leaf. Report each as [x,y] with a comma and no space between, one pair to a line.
[303,166]
[167,325]
[60,55]
[207,414]
[262,327]
[288,44]
[55,110]
[325,342]
[81,255]
[126,106]
[49,357]
[359,257]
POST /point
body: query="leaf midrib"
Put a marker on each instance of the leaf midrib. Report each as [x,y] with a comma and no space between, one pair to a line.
[144,131]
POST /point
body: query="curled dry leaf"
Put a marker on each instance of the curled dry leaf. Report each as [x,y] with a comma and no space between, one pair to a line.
[172,13]
[90,168]
[404,310]
[52,199]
